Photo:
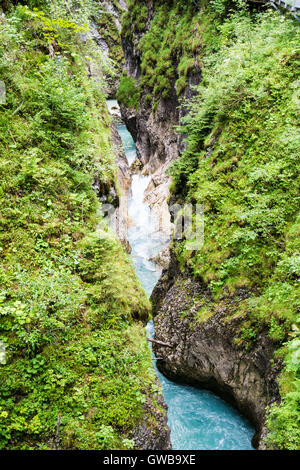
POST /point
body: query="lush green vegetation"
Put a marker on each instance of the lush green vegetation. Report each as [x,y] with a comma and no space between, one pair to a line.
[283,420]
[78,369]
[76,348]
[170,49]
[108,30]
[135,19]
[128,92]
[240,163]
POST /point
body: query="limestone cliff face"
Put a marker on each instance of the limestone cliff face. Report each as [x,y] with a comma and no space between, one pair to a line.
[157,142]
[153,130]
[120,221]
[204,351]
[157,146]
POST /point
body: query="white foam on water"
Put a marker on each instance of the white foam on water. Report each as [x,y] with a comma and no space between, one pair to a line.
[197,418]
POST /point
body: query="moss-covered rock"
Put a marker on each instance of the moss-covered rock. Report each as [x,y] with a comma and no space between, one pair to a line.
[78,371]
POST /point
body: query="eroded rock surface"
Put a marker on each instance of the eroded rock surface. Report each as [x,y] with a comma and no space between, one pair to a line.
[156,437]
[204,351]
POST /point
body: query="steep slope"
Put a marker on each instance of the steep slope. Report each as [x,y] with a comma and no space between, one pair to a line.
[230,309]
[78,372]
[106,23]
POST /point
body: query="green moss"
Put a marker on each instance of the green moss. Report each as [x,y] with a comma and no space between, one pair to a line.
[75,343]
[203,314]
[181,83]
[128,92]
[169,41]
[186,64]
[134,20]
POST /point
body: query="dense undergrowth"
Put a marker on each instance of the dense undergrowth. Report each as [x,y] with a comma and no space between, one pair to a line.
[170,49]
[241,163]
[78,369]
[128,92]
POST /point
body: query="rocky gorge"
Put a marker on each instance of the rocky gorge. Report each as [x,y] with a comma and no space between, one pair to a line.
[203,355]
[205,332]
[115,114]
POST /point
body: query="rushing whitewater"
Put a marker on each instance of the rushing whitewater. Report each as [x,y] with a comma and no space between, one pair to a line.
[143,235]
[198,419]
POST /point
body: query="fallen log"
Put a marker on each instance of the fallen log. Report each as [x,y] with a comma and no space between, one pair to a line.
[161,343]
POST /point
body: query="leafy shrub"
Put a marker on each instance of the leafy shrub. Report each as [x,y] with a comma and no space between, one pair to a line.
[283,421]
[128,92]
[74,337]
[241,163]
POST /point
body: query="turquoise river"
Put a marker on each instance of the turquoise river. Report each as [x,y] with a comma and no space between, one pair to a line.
[198,419]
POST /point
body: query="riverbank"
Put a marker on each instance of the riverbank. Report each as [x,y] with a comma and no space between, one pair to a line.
[197,418]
